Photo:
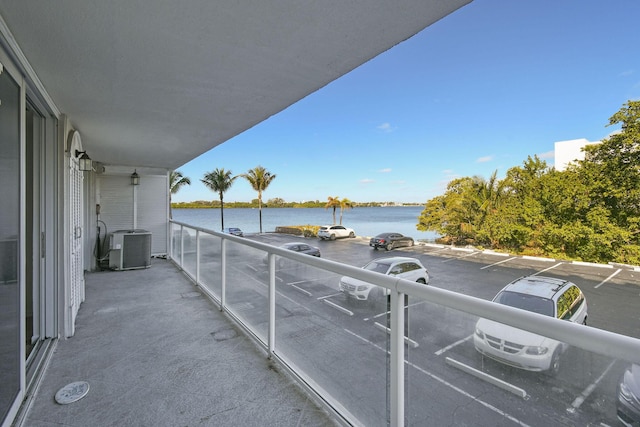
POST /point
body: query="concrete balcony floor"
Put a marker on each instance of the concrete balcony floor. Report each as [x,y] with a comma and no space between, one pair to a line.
[156,352]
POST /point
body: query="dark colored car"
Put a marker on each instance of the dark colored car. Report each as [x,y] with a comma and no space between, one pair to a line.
[628,406]
[302,248]
[233,230]
[390,241]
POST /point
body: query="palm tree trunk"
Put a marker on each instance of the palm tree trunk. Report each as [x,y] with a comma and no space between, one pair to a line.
[221,213]
[260,210]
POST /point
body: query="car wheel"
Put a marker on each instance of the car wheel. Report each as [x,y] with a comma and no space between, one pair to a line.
[332,237]
[554,367]
[352,235]
[421,280]
[584,322]
[390,246]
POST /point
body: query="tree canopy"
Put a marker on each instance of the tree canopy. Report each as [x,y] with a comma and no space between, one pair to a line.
[259,178]
[219,180]
[588,212]
[176,182]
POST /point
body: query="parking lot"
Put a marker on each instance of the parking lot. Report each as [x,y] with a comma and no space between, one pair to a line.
[448,381]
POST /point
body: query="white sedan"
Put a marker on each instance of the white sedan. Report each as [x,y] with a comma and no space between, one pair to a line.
[333,232]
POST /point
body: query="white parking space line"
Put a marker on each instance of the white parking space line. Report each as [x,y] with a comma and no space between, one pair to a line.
[252,267]
[297,288]
[547,269]
[411,343]
[448,384]
[460,257]
[585,394]
[366,340]
[455,344]
[608,278]
[319,279]
[470,396]
[385,313]
[497,263]
[338,307]
[488,378]
[329,296]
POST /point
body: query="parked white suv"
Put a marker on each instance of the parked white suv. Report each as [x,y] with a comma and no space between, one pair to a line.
[402,267]
[333,232]
[544,295]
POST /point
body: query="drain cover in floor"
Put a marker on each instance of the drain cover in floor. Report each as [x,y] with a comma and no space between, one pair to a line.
[72,392]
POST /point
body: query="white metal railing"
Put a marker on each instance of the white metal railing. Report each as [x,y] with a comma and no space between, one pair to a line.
[591,339]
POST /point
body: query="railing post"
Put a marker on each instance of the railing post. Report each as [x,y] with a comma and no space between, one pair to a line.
[197,257]
[172,243]
[223,274]
[272,304]
[182,246]
[397,358]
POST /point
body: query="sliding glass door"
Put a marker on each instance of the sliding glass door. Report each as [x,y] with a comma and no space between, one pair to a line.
[10,259]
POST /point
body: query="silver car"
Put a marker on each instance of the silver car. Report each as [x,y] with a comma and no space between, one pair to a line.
[402,267]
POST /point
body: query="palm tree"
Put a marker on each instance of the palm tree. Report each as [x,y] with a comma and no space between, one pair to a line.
[345,204]
[176,182]
[333,202]
[488,194]
[259,178]
[219,181]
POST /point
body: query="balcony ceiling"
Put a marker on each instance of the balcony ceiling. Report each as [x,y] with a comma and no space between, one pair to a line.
[158,83]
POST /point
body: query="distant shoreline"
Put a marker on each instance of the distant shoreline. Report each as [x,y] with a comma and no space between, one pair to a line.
[243,205]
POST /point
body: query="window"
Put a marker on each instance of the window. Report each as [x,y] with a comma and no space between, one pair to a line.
[409,266]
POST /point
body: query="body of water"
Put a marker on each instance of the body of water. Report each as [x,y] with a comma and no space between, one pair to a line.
[366,222]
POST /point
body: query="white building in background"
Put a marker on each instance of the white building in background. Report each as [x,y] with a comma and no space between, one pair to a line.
[569,151]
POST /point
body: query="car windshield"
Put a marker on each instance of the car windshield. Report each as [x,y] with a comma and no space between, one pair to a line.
[379,267]
[526,302]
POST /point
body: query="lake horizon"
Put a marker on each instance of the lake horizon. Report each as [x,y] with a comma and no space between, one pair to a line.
[366,221]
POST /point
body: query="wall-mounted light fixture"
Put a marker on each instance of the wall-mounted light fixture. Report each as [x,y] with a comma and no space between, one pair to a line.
[84,161]
[135,178]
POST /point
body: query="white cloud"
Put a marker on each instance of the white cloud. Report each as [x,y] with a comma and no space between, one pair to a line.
[385,170]
[484,159]
[626,73]
[385,127]
[548,155]
[366,181]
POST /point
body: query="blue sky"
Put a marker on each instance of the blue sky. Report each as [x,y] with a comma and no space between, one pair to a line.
[478,91]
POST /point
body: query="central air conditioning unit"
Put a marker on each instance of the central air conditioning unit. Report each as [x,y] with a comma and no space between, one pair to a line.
[130,249]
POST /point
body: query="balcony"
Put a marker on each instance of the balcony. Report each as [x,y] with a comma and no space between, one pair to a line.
[157,350]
